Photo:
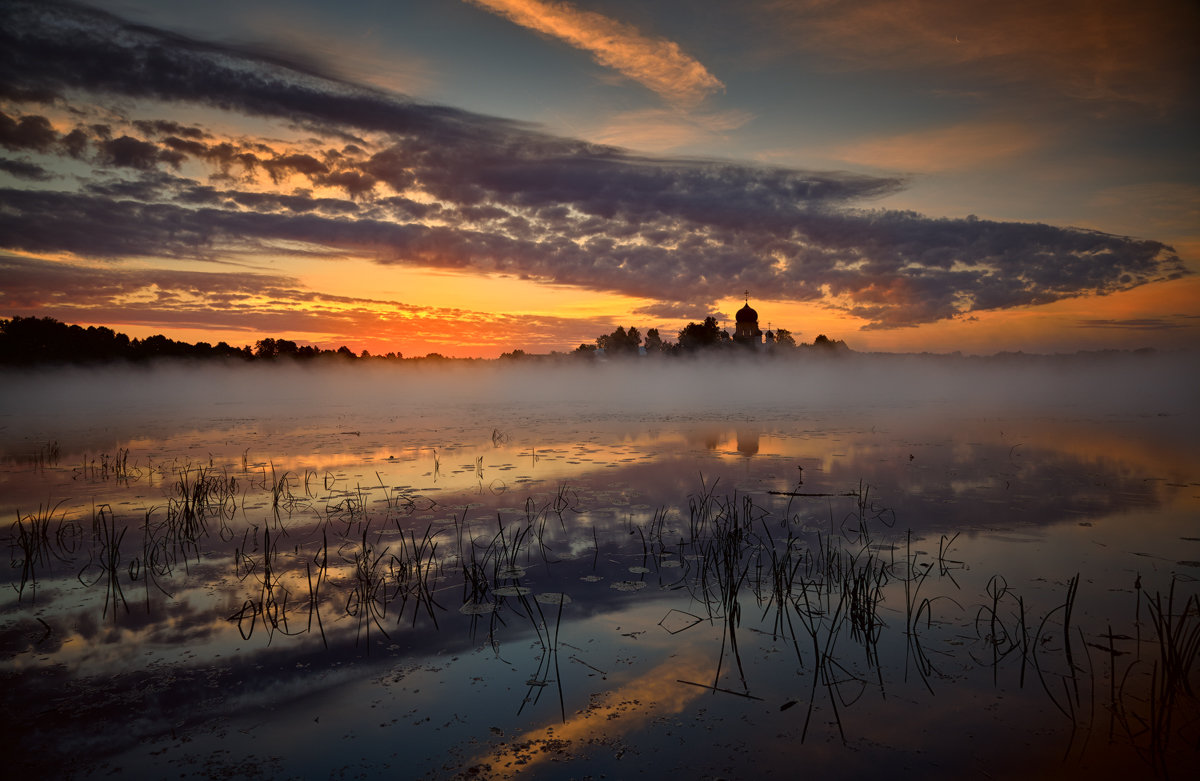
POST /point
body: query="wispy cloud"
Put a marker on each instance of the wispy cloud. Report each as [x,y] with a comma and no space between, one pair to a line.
[1160,205]
[1105,52]
[657,63]
[1142,323]
[962,146]
[666,130]
[380,176]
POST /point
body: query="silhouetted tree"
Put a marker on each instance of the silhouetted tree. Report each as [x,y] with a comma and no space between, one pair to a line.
[703,336]
[620,341]
[266,348]
[159,346]
[823,342]
[654,342]
[32,340]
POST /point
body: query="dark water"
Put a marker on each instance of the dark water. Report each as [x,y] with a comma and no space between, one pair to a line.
[927,567]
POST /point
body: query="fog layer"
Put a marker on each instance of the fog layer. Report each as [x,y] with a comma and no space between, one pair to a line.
[50,403]
[1149,383]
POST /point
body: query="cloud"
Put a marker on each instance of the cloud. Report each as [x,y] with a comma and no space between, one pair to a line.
[32,285]
[957,147]
[380,176]
[658,64]
[1162,205]
[1104,52]
[223,301]
[131,152]
[28,132]
[167,127]
[24,170]
[1169,323]
[893,268]
[664,130]
[676,311]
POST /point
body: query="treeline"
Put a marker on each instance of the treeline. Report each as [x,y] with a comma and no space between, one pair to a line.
[703,337]
[29,341]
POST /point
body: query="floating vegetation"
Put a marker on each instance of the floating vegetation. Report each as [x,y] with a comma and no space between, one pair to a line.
[512,591]
[553,598]
[477,608]
[627,585]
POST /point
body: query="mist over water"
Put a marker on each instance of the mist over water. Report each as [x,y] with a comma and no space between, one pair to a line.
[189,394]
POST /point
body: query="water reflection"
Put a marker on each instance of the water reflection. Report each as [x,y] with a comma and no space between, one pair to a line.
[609,719]
[836,562]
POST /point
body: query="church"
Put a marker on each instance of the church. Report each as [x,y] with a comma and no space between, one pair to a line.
[746,331]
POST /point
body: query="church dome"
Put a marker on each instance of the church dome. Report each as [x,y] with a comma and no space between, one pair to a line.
[746,315]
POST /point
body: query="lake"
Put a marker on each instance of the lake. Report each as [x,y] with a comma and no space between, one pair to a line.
[915,565]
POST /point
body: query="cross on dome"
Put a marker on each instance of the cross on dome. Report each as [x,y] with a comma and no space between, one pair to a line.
[747,330]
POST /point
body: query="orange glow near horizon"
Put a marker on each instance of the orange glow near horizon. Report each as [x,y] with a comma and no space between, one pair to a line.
[365,305]
[540,319]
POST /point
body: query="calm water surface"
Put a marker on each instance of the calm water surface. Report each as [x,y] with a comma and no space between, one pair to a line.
[956,568]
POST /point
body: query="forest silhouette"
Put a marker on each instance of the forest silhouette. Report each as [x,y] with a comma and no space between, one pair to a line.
[34,341]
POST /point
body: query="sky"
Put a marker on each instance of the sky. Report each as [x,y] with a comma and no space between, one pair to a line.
[472,177]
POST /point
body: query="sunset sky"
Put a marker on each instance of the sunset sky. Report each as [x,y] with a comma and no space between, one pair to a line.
[476,176]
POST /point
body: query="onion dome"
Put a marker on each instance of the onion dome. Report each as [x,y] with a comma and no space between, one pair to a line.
[746,315]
